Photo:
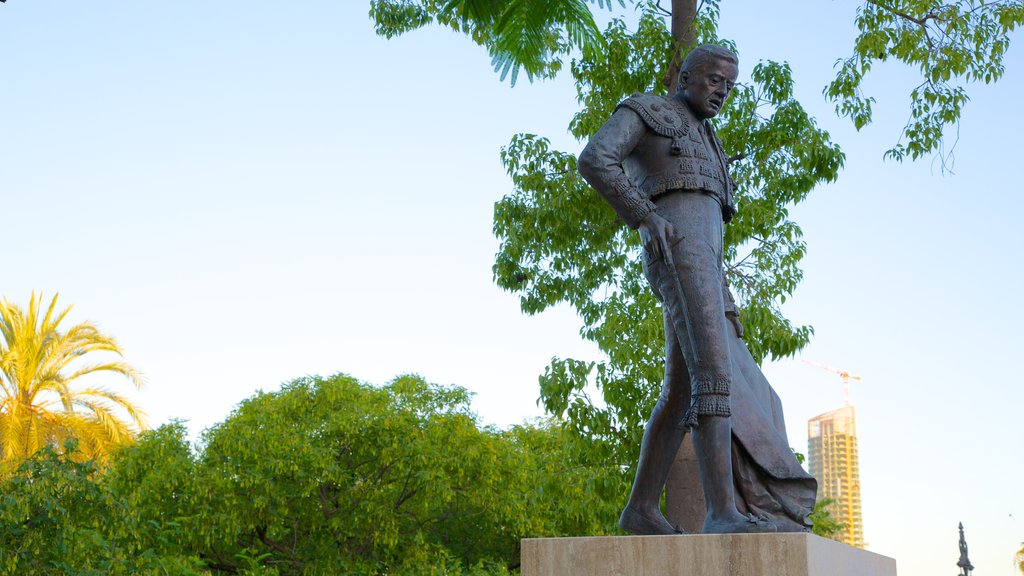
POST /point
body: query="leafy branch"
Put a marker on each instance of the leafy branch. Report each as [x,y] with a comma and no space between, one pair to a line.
[950,43]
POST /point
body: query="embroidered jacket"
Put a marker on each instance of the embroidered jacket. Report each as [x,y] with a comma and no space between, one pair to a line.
[651,145]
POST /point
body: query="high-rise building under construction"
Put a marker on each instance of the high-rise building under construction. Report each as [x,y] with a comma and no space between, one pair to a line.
[833,460]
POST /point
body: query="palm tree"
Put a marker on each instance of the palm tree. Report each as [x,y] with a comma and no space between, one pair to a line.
[44,400]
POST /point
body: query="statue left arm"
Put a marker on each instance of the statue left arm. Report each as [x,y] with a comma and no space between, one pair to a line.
[601,165]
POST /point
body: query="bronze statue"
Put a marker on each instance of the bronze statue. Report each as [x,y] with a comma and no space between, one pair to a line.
[659,164]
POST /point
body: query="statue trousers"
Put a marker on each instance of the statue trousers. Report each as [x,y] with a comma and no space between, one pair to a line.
[689,282]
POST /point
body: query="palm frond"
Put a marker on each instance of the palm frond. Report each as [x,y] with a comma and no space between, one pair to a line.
[12,434]
[119,400]
[102,413]
[121,368]
[39,365]
[529,35]
[474,12]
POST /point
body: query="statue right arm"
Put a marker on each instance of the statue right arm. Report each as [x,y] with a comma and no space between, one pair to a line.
[601,165]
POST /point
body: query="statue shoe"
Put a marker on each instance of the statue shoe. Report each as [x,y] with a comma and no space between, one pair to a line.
[639,524]
[749,524]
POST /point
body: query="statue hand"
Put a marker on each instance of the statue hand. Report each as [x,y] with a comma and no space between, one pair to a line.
[735,320]
[657,234]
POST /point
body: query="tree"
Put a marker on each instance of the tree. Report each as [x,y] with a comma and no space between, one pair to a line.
[329,473]
[59,517]
[41,404]
[326,475]
[1019,558]
[561,244]
[155,483]
[332,475]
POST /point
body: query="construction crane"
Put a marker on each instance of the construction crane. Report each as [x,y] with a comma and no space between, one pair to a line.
[846,376]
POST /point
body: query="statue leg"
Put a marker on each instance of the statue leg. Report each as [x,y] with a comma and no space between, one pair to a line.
[690,281]
[712,440]
[710,389]
[662,437]
[699,280]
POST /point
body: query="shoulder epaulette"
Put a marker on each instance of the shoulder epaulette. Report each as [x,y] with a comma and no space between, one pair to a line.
[659,113]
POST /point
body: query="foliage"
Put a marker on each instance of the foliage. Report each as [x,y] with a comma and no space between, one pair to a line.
[156,480]
[331,473]
[518,34]
[327,475]
[951,44]
[825,525]
[40,366]
[1019,558]
[57,517]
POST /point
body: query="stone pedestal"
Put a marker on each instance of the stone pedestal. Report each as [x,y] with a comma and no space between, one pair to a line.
[700,555]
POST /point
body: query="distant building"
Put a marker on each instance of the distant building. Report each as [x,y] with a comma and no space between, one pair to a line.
[833,460]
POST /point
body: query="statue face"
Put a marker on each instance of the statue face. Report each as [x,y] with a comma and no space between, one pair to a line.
[706,88]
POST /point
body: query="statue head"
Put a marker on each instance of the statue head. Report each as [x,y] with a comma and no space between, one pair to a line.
[706,78]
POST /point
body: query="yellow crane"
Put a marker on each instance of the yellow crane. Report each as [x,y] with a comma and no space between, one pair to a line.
[846,376]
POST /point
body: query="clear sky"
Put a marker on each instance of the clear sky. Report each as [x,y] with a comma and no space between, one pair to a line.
[248,192]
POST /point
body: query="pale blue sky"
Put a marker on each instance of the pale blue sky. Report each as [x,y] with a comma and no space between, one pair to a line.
[247,192]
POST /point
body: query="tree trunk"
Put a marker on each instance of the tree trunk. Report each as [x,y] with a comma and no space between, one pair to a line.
[684,36]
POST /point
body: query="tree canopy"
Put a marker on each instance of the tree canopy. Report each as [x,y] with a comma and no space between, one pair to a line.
[325,476]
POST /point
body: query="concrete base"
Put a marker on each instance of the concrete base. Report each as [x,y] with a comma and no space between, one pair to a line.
[700,555]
